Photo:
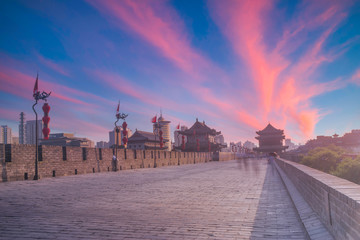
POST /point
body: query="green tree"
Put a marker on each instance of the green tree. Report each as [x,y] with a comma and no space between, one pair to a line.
[324,158]
[349,169]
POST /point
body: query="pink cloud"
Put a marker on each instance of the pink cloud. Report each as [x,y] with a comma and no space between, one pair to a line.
[121,84]
[207,95]
[284,87]
[356,77]
[160,26]
[69,121]
[9,114]
[248,119]
[54,66]
[22,85]
[244,26]
[15,83]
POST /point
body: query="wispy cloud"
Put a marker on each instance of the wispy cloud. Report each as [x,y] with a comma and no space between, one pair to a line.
[284,85]
[160,26]
[53,65]
[356,77]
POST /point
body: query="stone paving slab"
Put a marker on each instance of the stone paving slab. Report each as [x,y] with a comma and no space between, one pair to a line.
[218,200]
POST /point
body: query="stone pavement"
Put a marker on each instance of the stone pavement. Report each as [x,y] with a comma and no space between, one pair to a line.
[218,200]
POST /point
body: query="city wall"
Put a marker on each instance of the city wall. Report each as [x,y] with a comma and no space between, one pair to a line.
[335,200]
[18,161]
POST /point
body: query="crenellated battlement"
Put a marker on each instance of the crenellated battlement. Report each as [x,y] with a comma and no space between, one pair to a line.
[18,160]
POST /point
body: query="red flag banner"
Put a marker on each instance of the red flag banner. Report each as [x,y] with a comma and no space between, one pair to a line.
[118,108]
[178,126]
[36,85]
[153,120]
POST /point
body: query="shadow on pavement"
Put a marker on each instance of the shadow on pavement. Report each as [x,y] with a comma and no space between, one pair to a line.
[250,164]
[276,217]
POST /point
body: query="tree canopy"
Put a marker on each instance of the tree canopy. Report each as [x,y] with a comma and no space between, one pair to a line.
[324,158]
[331,160]
[349,169]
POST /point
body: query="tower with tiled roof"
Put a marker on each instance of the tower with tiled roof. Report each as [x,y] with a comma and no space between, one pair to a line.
[270,140]
[200,138]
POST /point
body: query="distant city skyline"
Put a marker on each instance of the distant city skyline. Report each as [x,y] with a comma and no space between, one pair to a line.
[236,64]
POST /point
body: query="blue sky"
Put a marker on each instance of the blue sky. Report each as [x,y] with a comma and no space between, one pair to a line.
[237,65]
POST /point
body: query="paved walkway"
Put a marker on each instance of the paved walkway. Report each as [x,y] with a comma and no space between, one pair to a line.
[218,200]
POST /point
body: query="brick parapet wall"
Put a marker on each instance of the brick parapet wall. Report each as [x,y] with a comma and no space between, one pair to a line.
[335,200]
[53,163]
[224,156]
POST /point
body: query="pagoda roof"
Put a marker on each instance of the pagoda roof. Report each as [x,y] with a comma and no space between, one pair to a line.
[269,129]
[142,136]
[200,128]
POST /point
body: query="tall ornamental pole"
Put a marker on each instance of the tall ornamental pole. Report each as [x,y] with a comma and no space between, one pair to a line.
[178,134]
[46,120]
[38,96]
[118,117]
[125,134]
[155,130]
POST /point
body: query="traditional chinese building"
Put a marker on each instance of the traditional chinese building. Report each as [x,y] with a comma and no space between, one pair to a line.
[200,138]
[270,140]
[144,141]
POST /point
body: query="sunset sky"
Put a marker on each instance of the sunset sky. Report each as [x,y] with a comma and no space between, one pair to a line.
[237,65]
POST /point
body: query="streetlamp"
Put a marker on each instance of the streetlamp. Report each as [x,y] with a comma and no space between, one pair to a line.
[37,96]
[118,117]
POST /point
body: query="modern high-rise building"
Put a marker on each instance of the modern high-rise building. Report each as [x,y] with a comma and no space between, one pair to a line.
[22,129]
[219,139]
[178,136]
[112,136]
[102,144]
[249,145]
[30,133]
[290,144]
[165,128]
[5,135]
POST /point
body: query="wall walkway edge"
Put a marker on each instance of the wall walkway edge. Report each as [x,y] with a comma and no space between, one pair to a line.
[335,200]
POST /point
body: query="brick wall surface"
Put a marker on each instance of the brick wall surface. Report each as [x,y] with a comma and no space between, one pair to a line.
[53,164]
[223,156]
[335,200]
